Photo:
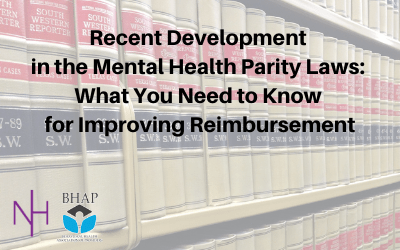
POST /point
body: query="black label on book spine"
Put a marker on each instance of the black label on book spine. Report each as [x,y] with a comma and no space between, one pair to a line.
[359,134]
[168,140]
[191,140]
[306,138]
[217,139]
[259,139]
[396,134]
[147,140]
[390,134]
[15,132]
[375,134]
[293,138]
[367,134]
[384,134]
[331,139]
[98,141]
[277,139]
[53,142]
[343,138]
[238,139]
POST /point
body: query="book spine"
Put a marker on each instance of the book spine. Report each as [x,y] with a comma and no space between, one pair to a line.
[277,111]
[240,162]
[58,156]
[391,221]
[278,236]
[357,11]
[245,240]
[103,154]
[332,219]
[396,19]
[367,115]
[317,146]
[215,146]
[384,216]
[390,16]
[137,18]
[384,129]
[390,115]
[260,152]
[351,222]
[320,230]
[17,172]
[342,86]
[294,113]
[360,225]
[352,110]
[331,5]
[331,113]
[294,234]
[396,117]
[365,13]
[305,111]
[343,227]
[308,232]
[348,9]
[262,238]
[341,7]
[396,219]
[164,19]
[383,8]
[374,15]
[375,114]
[227,242]
[359,117]
[192,143]
[376,222]
[368,221]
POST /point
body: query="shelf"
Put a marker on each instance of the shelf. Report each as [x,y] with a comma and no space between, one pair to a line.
[317,18]
[213,215]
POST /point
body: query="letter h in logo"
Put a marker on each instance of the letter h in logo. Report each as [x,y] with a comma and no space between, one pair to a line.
[30,221]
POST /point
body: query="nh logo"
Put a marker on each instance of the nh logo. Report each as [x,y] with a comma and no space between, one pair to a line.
[30,220]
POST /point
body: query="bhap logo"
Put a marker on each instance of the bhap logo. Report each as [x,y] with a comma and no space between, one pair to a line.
[87,224]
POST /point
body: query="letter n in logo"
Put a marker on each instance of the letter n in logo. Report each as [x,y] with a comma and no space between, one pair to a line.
[30,221]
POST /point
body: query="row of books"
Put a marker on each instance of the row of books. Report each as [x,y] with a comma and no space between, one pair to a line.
[379,15]
[371,223]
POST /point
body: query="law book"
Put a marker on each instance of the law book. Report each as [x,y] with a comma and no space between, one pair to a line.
[360,226]
[341,7]
[390,116]
[384,215]
[365,13]
[215,146]
[58,156]
[396,19]
[331,113]
[357,11]
[332,219]
[305,110]
[375,113]
[342,86]
[278,236]
[343,227]
[227,242]
[239,147]
[137,18]
[294,234]
[348,9]
[245,240]
[317,146]
[391,221]
[368,221]
[390,20]
[367,115]
[294,113]
[396,117]
[192,143]
[374,15]
[352,110]
[103,155]
[359,117]
[17,172]
[308,232]
[383,16]
[383,137]
[351,223]
[260,151]
[262,238]
[277,111]
[396,234]
[164,19]
[376,223]
[320,230]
